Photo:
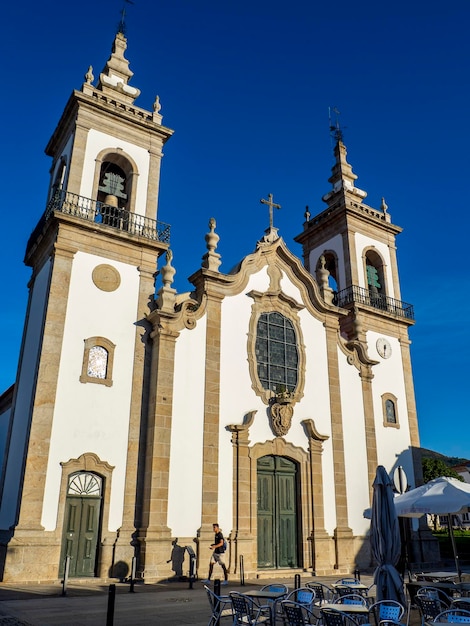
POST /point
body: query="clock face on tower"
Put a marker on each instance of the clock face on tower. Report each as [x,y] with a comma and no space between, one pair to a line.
[383,348]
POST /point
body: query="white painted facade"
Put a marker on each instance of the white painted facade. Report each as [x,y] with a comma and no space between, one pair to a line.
[185,427]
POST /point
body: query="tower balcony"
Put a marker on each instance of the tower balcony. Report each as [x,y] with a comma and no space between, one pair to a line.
[355,295]
[103,214]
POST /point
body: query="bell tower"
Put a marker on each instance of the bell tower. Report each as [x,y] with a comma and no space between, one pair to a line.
[356,244]
[79,400]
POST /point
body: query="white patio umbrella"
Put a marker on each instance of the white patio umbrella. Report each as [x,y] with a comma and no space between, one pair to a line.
[441,496]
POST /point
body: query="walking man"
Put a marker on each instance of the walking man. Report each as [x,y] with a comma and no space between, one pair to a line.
[218,549]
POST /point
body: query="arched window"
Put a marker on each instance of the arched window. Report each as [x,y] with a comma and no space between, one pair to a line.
[98,359]
[375,273]
[112,186]
[390,411]
[276,353]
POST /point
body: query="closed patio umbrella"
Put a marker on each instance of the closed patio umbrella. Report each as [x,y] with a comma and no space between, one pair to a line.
[385,539]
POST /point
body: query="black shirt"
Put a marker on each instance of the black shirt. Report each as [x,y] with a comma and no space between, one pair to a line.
[219,538]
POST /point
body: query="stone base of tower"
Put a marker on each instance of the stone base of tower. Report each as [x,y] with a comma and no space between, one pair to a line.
[154,554]
[30,556]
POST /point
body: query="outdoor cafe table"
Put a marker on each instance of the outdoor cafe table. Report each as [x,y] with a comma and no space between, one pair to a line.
[265,594]
[356,610]
[448,587]
[353,586]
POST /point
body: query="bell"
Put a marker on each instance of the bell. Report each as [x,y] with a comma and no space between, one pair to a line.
[111,200]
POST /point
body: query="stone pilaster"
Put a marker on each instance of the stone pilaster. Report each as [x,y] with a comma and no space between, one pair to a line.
[321,543]
[155,536]
[369,423]
[242,532]
[342,534]
[210,446]
[124,549]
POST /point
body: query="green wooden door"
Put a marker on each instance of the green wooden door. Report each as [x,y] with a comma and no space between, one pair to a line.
[277,513]
[81,525]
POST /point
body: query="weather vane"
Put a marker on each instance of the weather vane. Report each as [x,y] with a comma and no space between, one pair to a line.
[122,21]
[335,128]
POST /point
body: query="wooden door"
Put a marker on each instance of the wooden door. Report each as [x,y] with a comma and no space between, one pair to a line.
[81,530]
[277,513]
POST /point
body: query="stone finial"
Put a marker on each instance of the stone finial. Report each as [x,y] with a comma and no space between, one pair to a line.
[116,74]
[89,78]
[157,117]
[322,276]
[167,295]
[211,260]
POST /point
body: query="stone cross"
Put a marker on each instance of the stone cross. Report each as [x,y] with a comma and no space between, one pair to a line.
[271,205]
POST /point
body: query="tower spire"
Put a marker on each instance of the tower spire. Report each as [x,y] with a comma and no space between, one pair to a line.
[342,177]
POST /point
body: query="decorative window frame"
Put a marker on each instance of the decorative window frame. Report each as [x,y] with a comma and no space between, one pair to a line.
[288,307]
[385,397]
[102,342]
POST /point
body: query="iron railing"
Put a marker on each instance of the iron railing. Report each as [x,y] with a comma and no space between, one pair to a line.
[111,216]
[359,295]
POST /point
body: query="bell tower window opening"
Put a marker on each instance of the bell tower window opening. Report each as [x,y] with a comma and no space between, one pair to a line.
[112,188]
[375,273]
[276,353]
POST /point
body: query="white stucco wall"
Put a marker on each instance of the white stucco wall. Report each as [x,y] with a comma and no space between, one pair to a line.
[355,449]
[24,397]
[98,141]
[91,417]
[185,481]
[393,444]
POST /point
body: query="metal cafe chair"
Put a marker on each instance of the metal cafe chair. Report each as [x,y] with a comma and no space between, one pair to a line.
[351,598]
[221,606]
[386,610]
[332,617]
[278,588]
[461,603]
[453,616]
[438,594]
[247,613]
[348,581]
[323,593]
[297,614]
[429,608]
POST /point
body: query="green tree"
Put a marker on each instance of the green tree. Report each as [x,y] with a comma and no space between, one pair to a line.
[434,468]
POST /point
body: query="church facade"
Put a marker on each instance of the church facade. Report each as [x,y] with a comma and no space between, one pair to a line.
[263,400]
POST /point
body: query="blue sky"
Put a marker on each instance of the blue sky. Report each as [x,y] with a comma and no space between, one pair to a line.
[247,85]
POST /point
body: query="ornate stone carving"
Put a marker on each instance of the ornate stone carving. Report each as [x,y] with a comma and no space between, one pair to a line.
[281,417]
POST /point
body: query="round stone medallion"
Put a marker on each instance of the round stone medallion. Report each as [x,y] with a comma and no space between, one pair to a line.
[106,277]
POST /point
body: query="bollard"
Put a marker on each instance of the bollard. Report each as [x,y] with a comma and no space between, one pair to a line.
[192,566]
[357,574]
[297,581]
[242,571]
[111,600]
[66,575]
[133,568]
[217,603]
